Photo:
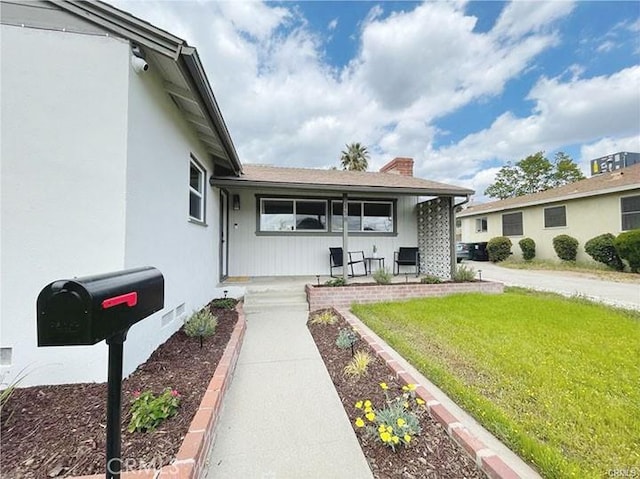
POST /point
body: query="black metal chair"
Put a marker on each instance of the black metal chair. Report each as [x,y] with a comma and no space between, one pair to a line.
[406,257]
[336,260]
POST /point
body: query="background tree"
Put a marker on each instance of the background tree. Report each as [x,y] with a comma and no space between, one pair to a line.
[533,174]
[355,157]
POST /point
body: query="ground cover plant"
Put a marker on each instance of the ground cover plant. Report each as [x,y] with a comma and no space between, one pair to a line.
[59,431]
[587,268]
[556,379]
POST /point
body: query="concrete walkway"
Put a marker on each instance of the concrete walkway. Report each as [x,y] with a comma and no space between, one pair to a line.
[626,295]
[282,417]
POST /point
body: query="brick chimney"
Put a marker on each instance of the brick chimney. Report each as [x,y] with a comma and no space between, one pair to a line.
[399,166]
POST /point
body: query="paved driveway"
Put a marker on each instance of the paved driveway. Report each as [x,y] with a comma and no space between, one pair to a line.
[621,294]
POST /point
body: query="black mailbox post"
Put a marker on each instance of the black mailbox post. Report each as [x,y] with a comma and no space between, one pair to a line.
[84,311]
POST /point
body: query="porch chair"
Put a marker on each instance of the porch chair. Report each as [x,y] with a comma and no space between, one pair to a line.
[406,257]
[336,260]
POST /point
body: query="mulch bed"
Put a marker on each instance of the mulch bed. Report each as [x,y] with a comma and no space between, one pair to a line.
[60,431]
[433,454]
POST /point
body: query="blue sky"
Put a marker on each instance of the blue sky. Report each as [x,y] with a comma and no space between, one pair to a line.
[462,87]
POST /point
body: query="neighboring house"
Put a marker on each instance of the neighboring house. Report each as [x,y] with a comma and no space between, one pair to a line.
[607,203]
[108,165]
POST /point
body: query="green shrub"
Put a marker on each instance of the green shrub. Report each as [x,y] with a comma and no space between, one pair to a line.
[148,411]
[528,247]
[628,247]
[323,317]
[336,282]
[499,248]
[566,247]
[464,274]
[224,303]
[203,324]
[429,279]
[382,276]
[601,248]
[346,338]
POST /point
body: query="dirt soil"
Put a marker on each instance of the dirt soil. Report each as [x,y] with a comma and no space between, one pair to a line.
[433,454]
[60,431]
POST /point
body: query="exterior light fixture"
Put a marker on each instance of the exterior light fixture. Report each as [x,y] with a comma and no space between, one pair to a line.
[236,202]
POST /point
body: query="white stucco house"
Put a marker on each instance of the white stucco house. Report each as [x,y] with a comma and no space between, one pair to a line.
[115,155]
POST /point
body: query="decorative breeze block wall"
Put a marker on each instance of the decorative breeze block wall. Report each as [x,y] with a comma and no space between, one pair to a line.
[434,237]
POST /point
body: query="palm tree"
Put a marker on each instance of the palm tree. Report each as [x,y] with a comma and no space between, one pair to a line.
[355,157]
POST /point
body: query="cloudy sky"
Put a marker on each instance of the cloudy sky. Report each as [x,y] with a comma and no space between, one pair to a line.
[462,87]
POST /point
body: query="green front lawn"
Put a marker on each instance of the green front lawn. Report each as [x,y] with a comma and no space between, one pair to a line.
[558,380]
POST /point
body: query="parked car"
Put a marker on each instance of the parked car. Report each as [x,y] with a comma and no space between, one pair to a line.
[472,251]
[463,251]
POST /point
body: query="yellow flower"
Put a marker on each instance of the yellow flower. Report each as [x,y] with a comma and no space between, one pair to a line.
[401,422]
[412,387]
[368,409]
[359,404]
[405,388]
[406,404]
[407,438]
[359,422]
[389,429]
[384,386]
[370,416]
[395,439]
[420,401]
[382,428]
[385,436]
[367,403]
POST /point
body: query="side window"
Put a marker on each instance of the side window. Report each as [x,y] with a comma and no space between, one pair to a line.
[481,225]
[555,216]
[512,224]
[196,191]
[630,210]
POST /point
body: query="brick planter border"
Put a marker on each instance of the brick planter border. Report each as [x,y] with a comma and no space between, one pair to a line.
[487,460]
[193,453]
[342,297]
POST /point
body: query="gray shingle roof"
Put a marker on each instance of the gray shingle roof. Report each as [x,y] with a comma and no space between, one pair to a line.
[338,180]
[618,180]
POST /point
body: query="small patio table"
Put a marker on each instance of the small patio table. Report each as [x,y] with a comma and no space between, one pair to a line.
[371,259]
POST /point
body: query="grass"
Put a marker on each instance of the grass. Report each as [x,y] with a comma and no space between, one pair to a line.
[598,269]
[556,379]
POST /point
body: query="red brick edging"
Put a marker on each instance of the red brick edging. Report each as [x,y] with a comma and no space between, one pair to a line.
[192,456]
[487,460]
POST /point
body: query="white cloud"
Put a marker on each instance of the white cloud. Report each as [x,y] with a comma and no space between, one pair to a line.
[606,46]
[333,24]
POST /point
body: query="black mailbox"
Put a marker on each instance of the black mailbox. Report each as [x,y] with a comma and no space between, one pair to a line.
[84,311]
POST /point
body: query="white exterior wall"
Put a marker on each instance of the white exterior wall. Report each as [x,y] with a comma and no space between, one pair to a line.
[158,231]
[306,253]
[63,154]
[586,218]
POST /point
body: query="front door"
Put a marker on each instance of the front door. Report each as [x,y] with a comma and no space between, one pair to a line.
[224,229]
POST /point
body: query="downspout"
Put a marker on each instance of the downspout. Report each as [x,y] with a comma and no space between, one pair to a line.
[452,231]
[345,235]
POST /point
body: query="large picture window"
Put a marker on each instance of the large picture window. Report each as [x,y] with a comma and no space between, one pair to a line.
[293,215]
[512,224]
[555,216]
[630,209]
[364,216]
[196,191]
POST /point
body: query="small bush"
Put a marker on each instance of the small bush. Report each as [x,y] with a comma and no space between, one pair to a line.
[382,276]
[628,247]
[224,303]
[499,248]
[464,274]
[358,365]
[324,317]
[528,247]
[346,338]
[429,279]
[566,247]
[148,411]
[336,282]
[602,249]
[203,324]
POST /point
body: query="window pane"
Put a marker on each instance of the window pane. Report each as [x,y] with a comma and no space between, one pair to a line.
[311,215]
[630,204]
[354,219]
[630,221]
[481,225]
[195,206]
[556,216]
[195,178]
[377,217]
[512,224]
[277,215]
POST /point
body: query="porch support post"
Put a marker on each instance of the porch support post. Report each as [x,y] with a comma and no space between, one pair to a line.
[452,234]
[345,235]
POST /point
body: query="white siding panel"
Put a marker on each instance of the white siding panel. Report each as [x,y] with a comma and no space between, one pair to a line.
[63,130]
[304,254]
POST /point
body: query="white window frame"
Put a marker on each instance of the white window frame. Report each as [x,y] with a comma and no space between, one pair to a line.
[622,214]
[544,216]
[480,222]
[202,195]
[295,229]
[362,203]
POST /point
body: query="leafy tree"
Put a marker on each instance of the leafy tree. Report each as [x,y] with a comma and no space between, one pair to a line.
[533,174]
[355,157]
